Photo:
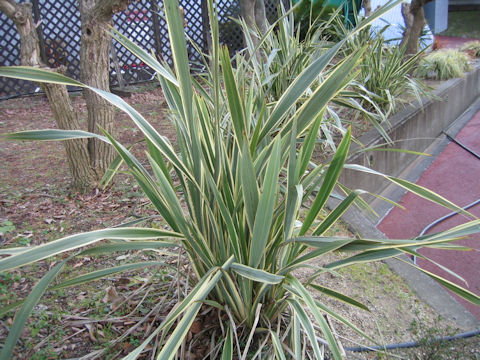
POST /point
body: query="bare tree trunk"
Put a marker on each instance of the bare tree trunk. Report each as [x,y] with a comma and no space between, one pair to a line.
[253,12]
[96,15]
[367,5]
[414,17]
[87,159]
[247,10]
[83,177]
[261,16]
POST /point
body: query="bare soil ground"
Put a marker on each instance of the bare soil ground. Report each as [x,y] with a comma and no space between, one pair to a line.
[36,206]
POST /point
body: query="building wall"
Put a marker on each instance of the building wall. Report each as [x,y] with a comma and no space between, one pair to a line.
[436,13]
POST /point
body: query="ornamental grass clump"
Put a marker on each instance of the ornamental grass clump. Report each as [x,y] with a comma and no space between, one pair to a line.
[443,65]
[386,74]
[244,200]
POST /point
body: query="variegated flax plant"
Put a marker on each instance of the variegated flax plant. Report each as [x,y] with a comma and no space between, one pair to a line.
[242,197]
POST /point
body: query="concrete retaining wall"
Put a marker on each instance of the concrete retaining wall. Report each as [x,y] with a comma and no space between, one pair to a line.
[412,129]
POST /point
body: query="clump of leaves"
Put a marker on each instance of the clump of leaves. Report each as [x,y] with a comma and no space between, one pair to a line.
[386,74]
[472,47]
[282,55]
[443,65]
[243,198]
[385,78]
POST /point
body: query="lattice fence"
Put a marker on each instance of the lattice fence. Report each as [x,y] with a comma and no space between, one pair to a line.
[144,22]
[10,55]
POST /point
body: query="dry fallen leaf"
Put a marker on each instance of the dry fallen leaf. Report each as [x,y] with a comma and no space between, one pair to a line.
[123,281]
[90,332]
[112,297]
[196,327]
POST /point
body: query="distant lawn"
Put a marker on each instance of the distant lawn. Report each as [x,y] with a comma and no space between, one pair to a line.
[464,24]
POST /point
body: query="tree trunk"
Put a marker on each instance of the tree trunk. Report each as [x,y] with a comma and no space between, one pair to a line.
[414,17]
[253,12]
[83,177]
[87,159]
[261,16]
[367,5]
[95,70]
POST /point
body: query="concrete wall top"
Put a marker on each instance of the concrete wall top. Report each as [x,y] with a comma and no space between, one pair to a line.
[414,128]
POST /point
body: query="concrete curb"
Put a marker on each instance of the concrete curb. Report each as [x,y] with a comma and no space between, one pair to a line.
[425,287]
[415,128]
[416,168]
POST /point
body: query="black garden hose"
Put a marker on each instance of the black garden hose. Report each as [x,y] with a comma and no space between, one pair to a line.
[411,344]
[464,335]
[448,216]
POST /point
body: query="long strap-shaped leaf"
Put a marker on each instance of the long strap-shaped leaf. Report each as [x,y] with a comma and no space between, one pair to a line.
[266,203]
[331,85]
[45,76]
[237,112]
[193,306]
[460,291]
[180,57]
[308,76]
[23,314]
[335,215]
[48,135]
[414,188]
[95,275]
[75,241]
[250,191]
[144,56]
[307,325]
[199,292]
[310,302]
[227,353]
[128,246]
[331,177]
[256,274]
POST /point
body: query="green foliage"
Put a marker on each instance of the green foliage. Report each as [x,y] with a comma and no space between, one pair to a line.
[443,65]
[385,79]
[6,226]
[385,73]
[282,56]
[310,14]
[241,196]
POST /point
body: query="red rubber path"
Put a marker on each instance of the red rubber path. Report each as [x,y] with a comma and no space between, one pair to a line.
[455,174]
[451,42]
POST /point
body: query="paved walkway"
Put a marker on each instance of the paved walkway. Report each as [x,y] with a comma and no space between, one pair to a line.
[455,174]
[450,42]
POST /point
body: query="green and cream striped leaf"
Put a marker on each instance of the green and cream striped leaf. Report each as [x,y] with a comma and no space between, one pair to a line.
[22,315]
[73,242]
[460,291]
[414,188]
[331,177]
[307,325]
[143,55]
[256,274]
[320,320]
[99,274]
[227,352]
